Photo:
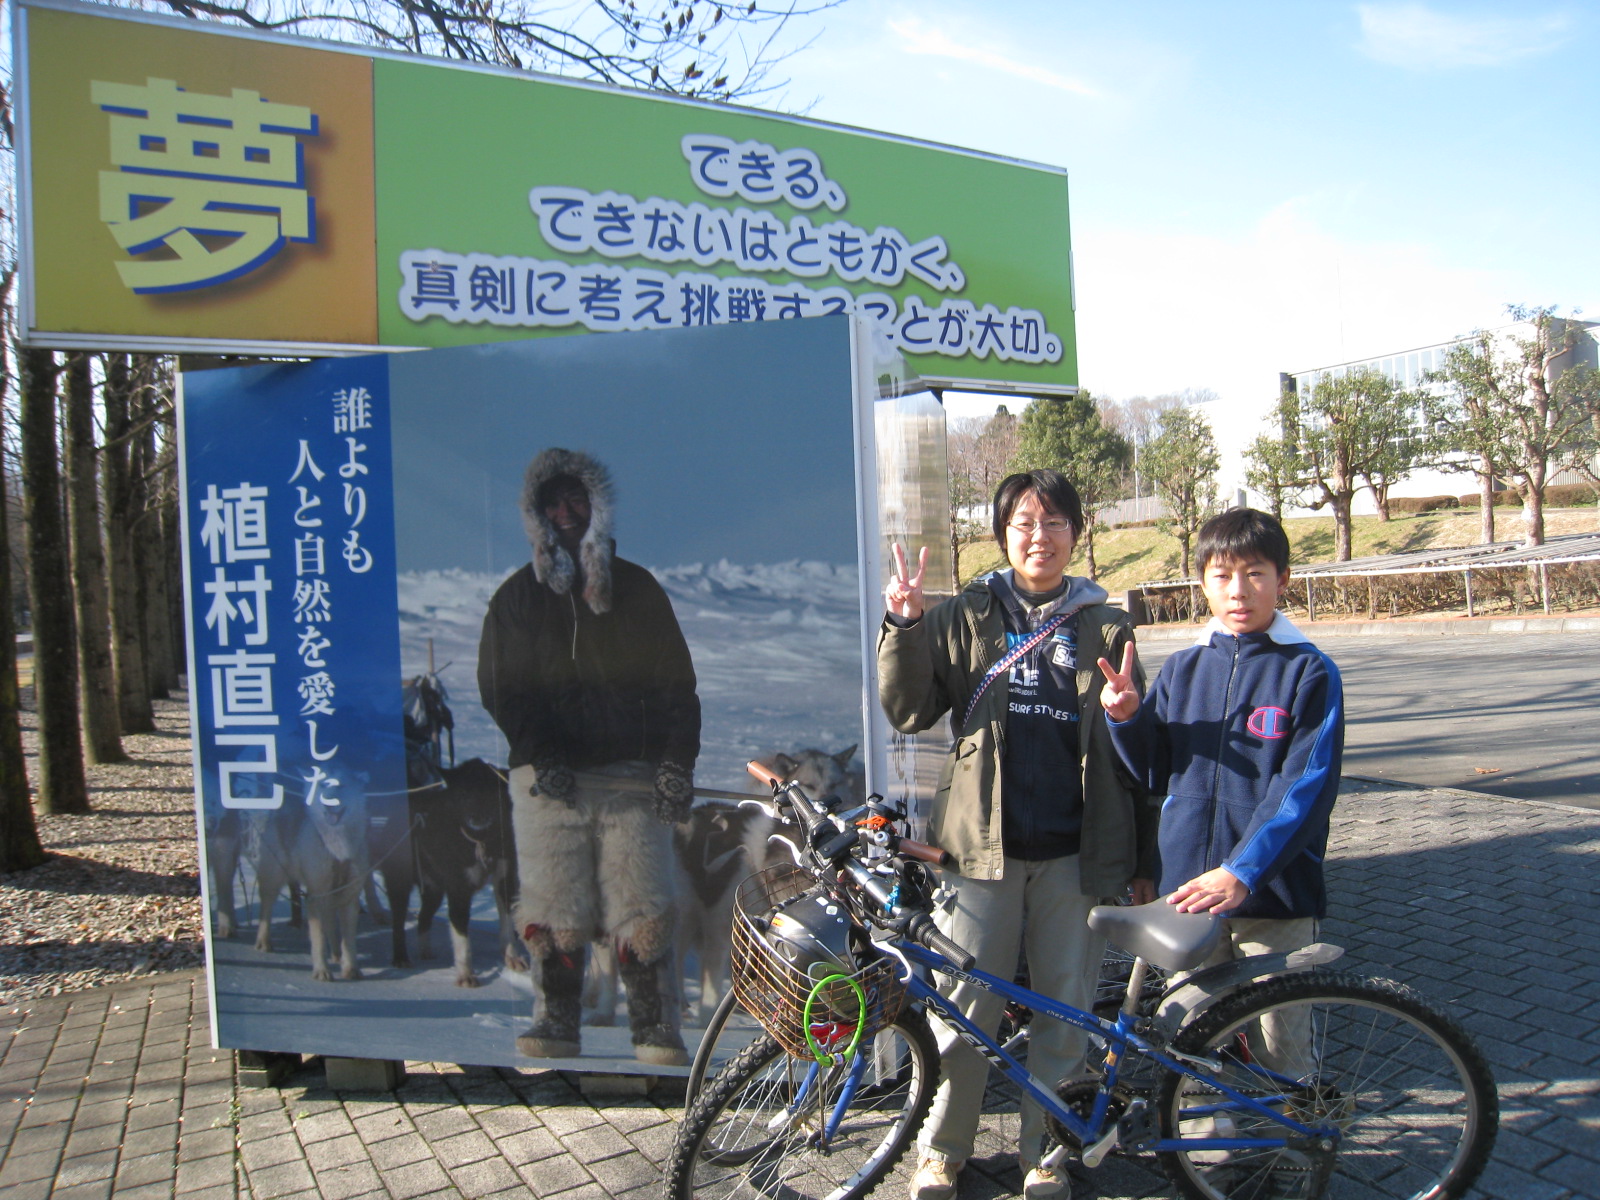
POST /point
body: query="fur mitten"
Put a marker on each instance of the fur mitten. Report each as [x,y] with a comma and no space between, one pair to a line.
[555,780]
[674,793]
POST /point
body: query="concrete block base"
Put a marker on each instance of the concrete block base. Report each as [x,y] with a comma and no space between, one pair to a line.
[264,1068]
[364,1074]
[597,1084]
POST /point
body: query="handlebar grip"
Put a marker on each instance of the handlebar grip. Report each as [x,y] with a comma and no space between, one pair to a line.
[764,773]
[923,851]
[923,931]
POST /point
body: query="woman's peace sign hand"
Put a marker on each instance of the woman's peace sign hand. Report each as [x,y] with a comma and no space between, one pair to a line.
[903,594]
[1119,697]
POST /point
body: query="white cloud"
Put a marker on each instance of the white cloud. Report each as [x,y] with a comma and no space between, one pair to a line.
[917,38]
[1414,35]
[1165,312]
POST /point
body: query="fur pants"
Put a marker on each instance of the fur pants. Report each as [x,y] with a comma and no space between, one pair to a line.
[600,867]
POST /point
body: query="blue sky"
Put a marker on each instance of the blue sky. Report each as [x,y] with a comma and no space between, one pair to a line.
[1260,186]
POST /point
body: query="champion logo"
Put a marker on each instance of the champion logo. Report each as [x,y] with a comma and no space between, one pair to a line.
[1269,723]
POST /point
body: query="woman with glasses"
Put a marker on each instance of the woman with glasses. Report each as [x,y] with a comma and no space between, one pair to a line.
[1042,820]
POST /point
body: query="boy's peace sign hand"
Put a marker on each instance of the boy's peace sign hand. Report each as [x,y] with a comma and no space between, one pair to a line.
[903,594]
[1119,697]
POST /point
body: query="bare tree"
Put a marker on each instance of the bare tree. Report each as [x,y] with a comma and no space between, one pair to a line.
[19,833]
[1138,419]
[712,51]
[62,787]
[122,498]
[97,678]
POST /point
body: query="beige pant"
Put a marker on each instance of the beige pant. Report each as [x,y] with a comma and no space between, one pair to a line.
[600,867]
[1281,1042]
[1039,903]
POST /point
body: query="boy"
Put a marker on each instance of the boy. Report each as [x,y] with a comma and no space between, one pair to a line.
[1243,733]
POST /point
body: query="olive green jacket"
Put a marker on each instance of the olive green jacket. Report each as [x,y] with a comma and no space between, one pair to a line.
[933,667]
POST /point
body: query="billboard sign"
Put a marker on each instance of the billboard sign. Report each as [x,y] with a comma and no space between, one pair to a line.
[196,187]
[393,666]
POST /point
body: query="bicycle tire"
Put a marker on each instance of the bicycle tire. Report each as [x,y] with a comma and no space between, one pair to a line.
[736,1141]
[706,1050]
[1411,1093]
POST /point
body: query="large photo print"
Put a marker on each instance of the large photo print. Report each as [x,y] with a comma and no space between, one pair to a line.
[501,827]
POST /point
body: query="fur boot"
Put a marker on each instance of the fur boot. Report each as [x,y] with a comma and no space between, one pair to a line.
[557,1032]
[652,1011]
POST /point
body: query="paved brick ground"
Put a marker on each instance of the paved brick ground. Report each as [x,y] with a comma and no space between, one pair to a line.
[1487,905]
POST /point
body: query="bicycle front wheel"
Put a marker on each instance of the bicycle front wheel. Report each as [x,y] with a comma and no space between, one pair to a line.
[1405,1087]
[768,1124]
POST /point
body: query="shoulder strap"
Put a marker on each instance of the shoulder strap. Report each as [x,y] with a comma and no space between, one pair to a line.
[1012,656]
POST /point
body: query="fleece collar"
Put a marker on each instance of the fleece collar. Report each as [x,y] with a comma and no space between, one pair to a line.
[1282,630]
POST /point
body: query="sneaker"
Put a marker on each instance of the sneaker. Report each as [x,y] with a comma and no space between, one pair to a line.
[1046,1183]
[935,1179]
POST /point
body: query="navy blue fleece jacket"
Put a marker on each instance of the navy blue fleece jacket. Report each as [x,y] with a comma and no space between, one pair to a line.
[1244,735]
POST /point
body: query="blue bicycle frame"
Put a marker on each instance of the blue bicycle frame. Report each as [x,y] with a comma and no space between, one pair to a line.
[1121,1036]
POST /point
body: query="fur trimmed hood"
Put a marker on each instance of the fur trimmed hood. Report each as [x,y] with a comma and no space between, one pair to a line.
[552,565]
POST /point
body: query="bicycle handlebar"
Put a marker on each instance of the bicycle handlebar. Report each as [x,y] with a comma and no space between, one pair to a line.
[839,849]
[921,930]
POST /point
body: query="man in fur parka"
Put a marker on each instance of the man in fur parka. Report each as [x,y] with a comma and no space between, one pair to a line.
[584,668]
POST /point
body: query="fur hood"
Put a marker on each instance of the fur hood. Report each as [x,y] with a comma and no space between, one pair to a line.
[552,565]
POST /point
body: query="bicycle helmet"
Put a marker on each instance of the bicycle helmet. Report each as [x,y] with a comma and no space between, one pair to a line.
[812,934]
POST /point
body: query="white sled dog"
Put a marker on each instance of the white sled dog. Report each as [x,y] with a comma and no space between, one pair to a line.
[721,844]
[325,852]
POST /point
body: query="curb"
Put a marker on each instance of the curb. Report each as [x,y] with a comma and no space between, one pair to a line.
[1404,628]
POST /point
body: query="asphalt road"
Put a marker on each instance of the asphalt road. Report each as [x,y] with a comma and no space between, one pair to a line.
[1514,714]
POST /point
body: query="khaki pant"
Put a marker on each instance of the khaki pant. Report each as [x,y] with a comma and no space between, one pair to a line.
[1036,902]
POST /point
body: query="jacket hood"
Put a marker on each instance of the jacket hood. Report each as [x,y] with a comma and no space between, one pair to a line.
[1080,592]
[552,565]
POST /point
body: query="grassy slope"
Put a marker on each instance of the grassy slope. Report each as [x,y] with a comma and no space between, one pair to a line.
[1128,557]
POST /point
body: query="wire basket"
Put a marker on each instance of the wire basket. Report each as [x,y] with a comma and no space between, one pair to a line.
[775,991]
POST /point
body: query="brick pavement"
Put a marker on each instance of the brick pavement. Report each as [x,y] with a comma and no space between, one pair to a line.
[1484,904]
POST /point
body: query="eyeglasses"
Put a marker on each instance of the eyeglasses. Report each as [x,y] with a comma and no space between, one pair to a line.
[1055,527]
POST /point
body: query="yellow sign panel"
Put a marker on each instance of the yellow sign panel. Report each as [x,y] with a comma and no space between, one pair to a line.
[198,182]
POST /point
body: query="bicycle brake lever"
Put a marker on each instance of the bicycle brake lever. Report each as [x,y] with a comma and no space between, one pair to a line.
[765,806]
[794,850]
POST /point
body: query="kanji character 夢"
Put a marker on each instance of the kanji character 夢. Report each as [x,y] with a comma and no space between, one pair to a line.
[227,167]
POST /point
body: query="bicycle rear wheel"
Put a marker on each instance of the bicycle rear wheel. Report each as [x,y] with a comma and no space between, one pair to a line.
[769,1124]
[1409,1093]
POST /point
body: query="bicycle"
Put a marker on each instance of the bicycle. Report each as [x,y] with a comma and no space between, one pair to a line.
[1263,1077]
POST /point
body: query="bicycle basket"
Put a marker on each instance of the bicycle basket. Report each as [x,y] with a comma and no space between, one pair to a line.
[774,976]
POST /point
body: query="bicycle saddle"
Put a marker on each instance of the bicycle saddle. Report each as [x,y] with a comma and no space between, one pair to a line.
[1158,933]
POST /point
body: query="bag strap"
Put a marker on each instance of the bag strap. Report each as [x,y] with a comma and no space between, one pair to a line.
[1017,652]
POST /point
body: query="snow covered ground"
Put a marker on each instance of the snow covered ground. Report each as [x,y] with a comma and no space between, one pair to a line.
[776,649]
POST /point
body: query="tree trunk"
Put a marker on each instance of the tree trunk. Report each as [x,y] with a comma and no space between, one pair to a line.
[1341,526]
[127,619]
[19,834]
[102,724]
[1533,515]
[161,674]
[1380,497]
[1486,501]
[1088,549]
[62,788]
